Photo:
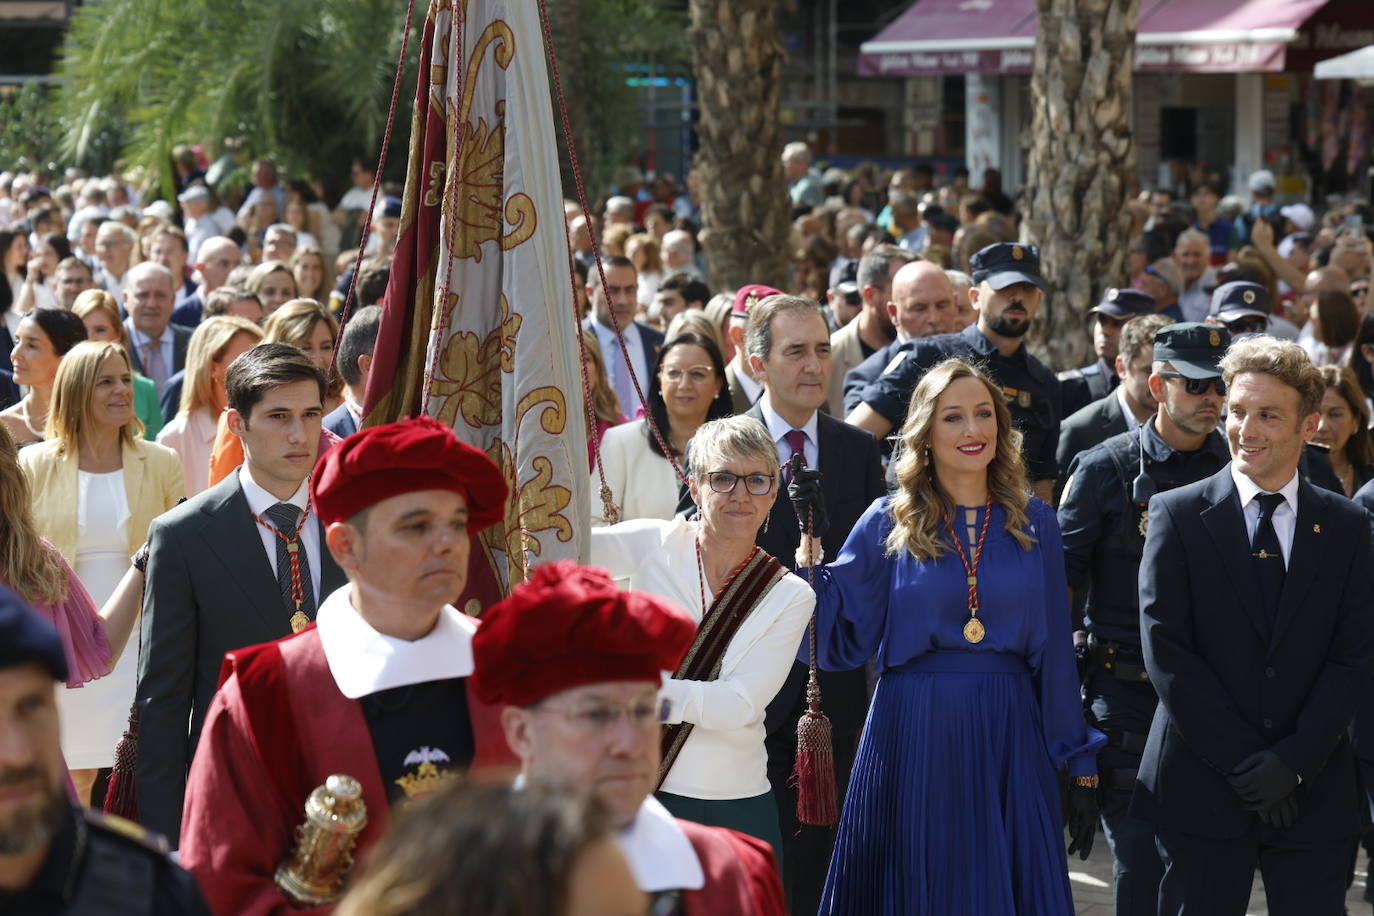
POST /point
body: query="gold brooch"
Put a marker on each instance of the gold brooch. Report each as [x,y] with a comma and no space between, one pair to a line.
[1316,529]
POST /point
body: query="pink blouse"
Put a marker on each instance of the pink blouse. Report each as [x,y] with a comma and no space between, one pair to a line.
[78,623]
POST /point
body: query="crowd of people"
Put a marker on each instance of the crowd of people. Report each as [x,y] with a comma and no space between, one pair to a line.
[1135,596]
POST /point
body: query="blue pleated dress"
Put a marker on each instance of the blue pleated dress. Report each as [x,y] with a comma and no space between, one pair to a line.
[953,806]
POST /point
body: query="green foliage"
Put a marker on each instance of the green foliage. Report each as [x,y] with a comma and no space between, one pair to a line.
[306,82]
[28,129]
[642,34]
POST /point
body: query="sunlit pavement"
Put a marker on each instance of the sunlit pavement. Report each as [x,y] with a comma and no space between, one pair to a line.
[1092,885]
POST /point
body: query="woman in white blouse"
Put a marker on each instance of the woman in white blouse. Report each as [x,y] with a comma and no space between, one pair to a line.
[686,389]
[217,342]
[752,614]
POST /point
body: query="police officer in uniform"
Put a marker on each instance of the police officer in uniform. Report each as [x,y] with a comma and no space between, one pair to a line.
[1080,387]
[55,857]
[1103,515]
[1007,294]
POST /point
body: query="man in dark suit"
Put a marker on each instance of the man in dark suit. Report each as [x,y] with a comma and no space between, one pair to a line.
[1126,406]
[1256,600]
[788,344]
[619,299]
[158,347]
[240,564]
[355,364]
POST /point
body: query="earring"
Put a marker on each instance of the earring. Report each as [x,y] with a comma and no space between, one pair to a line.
[766,519]
[927,456]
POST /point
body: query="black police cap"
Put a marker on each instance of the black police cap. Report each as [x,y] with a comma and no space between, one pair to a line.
[1193,348]
[26,637]
[1124,303]
[1007,263]
[1239,299]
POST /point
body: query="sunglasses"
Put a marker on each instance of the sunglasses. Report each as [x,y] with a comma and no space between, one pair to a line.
[1252,325]
[1198,385]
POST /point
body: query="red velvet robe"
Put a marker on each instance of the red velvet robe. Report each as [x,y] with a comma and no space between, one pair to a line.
[741,876]
[277,728]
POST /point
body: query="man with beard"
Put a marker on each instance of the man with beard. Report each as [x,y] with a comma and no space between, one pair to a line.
[54,857]
[1103,516]
[1007,294]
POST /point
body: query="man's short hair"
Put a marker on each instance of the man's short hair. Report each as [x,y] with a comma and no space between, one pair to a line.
[268,366]
[69,262]
[113,226]
[1281,359]
[620,206]
[372,281]
[690,288]
[1192,235]
[758,329]
[144,268]
[1138,336]
[796,150]
[876,267]
[607,262]
[218,302]
[280,229]
[359,339]
[904,203]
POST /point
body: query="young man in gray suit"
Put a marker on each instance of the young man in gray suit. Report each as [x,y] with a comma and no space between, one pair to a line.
[240,564]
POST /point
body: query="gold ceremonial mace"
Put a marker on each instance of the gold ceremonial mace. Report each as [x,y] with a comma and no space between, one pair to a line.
[335,814]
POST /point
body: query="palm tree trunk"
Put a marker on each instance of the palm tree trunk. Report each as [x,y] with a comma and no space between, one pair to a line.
[1080,161]
[737,57]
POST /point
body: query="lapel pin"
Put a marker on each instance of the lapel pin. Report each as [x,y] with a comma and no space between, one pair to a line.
[1316,529]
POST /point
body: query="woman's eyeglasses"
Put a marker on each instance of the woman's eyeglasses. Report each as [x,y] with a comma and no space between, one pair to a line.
[724,482]
[1198,385]
[697,375]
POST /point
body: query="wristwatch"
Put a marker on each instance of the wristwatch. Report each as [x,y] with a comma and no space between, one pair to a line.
[1085,782]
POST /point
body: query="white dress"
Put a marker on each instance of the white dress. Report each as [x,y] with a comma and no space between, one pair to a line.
[95,715]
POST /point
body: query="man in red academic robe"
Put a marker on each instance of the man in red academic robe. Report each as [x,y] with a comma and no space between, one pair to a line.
[578,665]
[377,689]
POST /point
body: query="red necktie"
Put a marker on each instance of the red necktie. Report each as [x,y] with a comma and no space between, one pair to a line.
[796,441]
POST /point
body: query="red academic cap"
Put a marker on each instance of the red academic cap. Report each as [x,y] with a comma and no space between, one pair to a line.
[420,454]
[748,295]
[570,626]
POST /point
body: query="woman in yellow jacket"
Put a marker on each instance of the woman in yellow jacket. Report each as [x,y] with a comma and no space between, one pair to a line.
[97,486]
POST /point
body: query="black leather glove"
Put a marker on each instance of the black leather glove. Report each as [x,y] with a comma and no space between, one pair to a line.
[1082,820]
[1282,814]
[805,493]
[1263,779]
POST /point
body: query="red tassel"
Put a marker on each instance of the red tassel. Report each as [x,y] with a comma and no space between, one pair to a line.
[121,798]
[813,773]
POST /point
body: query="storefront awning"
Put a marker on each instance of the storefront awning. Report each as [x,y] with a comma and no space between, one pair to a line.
[935,37]
[1357,65]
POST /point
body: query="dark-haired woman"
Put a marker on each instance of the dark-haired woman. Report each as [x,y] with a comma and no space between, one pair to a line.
[956,584]
[1344,429]
[39,289]
[43,337]
[686,389]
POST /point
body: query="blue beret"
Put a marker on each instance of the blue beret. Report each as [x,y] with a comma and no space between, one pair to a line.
[25,637]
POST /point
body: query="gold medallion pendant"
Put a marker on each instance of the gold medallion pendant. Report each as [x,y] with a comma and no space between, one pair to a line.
[299,622]
[973,630]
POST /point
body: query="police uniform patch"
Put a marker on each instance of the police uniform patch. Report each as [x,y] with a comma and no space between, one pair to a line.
[129,830]
[1024,399]
[1248,296]
[1144,521]
[1214,339]
[1017,253]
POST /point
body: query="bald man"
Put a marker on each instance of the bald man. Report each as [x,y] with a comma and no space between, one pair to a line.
[922,305]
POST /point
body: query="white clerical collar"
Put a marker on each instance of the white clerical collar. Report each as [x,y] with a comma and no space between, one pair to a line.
[364,661]
[778,427]
[259,500]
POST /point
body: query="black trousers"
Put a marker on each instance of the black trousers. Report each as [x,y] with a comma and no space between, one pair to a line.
[1206,876]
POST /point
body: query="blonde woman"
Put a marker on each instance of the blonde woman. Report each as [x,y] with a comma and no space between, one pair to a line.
[218,340]
[309,326]
[605,404]
[96,488]
[956,584]
[272,282]
[99,311]
[311,272]
[642,250]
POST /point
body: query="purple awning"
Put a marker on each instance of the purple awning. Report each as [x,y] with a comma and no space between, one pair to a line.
[998,36]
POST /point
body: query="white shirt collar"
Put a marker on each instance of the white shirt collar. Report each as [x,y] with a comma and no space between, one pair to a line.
[778,427]
[1248,489]
[752,389]
[1131,422]
[259,500]
[364,661]
[660,855]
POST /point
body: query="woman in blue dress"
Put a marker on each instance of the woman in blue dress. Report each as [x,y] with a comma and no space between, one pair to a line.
[956,584]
